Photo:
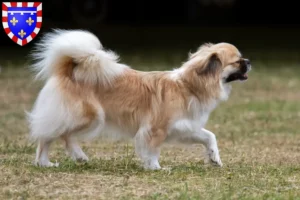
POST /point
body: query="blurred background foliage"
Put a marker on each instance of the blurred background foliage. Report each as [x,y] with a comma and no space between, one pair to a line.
[266,31]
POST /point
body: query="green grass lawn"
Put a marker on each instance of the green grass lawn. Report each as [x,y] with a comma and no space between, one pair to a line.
[257,131]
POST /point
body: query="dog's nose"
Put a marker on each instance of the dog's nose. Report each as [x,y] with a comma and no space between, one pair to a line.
[247,62]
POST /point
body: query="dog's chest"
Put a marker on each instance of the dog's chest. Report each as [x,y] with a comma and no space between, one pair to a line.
[191,123]
[188,125]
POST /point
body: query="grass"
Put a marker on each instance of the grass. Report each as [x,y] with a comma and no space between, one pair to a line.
[257,130]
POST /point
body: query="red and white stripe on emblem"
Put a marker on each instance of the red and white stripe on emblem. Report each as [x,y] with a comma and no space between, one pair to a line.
[38,22]
[4,19]
[22,4]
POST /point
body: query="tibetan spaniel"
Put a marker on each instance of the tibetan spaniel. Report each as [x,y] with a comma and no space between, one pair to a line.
[87,92]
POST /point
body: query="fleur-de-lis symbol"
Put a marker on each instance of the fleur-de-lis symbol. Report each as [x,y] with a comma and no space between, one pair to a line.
[29,21]
[22,33]
[14,21]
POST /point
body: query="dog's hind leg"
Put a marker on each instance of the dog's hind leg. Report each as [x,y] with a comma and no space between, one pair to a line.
[147,146]
[87,132]
[74,149]
[42,157]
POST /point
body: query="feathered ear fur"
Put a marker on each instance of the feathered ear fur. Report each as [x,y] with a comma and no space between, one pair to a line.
[212,66]
[203,48]
[205,45]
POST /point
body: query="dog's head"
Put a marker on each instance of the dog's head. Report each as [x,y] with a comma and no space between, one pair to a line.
[213,66]
[223,61]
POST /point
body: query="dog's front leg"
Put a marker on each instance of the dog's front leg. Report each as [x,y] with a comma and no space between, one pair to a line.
[208,139]
[211,147]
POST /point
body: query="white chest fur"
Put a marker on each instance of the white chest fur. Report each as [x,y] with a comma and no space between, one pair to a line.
[195,120]
[197,116]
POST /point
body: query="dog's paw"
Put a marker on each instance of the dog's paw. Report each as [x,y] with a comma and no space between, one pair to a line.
[46,164]
[82,159]
[152,166]
[213,158]
[217,162]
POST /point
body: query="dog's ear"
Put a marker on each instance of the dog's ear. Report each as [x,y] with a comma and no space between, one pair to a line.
[212,66]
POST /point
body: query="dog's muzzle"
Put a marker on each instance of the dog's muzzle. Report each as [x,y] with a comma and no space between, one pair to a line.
[241,74]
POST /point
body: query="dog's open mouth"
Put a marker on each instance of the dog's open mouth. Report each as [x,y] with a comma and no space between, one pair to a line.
[237,76]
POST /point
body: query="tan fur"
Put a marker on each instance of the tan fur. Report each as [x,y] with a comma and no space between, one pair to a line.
[137,94]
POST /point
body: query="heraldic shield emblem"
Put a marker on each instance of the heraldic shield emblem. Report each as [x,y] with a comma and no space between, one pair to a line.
[22,21]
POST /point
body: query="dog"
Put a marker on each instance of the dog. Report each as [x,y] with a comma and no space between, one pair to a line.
[88,92]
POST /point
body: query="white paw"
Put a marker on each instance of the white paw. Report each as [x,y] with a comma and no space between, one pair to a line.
[214,157]
[152,165]
[79,156]
[46,164]
[82,158]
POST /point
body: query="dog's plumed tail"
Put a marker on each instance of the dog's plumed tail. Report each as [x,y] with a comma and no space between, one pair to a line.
[76,54]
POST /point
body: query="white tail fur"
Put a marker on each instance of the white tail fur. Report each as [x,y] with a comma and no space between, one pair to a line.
[76,54]
[92,63]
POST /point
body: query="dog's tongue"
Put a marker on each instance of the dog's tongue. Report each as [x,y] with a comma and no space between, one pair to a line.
[245,75]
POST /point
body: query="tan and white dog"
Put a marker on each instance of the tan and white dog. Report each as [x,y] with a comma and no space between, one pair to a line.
[87,93]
